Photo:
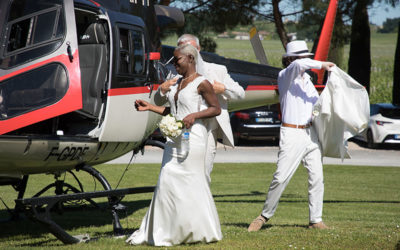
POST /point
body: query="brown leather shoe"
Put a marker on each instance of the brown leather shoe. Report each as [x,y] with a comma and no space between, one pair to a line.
[319,225]
[257,223]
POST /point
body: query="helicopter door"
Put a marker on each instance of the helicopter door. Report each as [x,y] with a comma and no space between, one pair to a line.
[122,121]
[39,62]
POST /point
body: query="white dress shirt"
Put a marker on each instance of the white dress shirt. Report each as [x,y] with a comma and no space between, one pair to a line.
[297,93]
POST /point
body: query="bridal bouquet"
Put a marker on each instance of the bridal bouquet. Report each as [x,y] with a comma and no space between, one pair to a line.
[170,127]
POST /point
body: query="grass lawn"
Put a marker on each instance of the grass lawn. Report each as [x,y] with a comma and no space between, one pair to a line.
[361,205]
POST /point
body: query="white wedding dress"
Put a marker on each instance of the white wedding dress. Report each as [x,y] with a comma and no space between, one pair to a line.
[182,209]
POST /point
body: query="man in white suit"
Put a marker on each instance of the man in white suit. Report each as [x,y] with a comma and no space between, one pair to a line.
[298,140]
[226,89]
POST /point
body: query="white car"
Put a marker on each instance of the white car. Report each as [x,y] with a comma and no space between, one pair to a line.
[383,126]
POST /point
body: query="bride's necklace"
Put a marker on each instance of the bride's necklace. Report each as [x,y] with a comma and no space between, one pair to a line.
[184,79]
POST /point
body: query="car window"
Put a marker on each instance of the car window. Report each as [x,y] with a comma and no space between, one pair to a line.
[374,109]
[393,113]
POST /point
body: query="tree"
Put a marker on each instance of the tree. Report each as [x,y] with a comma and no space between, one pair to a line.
[360,53]
[389,25]
[340,37]
[312,19]
[280,27]
[205,16]
[396,71]
[348,11]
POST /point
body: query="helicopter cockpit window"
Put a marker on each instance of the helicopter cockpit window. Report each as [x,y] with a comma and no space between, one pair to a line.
[124,58]
[34,29]
[131,52]
[138,52]
[32,90]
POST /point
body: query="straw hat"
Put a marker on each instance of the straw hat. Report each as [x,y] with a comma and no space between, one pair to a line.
[297,48]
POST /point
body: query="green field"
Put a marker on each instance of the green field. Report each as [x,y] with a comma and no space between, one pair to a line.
[383,48]
[361,205]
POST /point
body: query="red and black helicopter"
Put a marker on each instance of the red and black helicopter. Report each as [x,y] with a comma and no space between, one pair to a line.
[70,71]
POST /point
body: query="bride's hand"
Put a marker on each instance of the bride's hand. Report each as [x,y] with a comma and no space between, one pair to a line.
[141,105]
[189,120]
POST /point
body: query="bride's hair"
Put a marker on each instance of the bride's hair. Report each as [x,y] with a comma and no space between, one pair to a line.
[188,49]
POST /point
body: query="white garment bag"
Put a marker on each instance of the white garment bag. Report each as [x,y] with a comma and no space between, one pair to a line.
[341,112]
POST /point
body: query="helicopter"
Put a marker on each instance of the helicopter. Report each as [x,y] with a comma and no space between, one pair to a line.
[70,71]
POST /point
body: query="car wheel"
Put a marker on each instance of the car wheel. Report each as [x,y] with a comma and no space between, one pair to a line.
[370,140]
[276,141]
[236,140]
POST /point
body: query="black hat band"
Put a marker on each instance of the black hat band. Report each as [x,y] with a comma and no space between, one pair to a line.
[301,51]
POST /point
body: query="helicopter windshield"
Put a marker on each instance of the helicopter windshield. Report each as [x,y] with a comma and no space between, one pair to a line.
[33,29]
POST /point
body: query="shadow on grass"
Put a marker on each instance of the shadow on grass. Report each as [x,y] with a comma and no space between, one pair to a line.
[49,243]
[56,243]
[257,193]
[252,193]
[69,220]
[339,201]
[244,225]
[303,201]
[266,226]
[286,198]
[91,217]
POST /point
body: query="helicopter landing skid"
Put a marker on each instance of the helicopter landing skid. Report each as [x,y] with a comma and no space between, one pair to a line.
[33,208]
[39,208]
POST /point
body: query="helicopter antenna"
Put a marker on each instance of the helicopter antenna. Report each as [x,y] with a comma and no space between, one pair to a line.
[126,169]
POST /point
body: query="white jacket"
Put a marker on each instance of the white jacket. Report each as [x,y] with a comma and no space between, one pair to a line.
[219,73]
[341,112]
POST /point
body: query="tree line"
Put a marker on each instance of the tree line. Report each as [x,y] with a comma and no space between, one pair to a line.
[351,25]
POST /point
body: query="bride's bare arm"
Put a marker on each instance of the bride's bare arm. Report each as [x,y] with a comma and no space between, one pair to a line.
[142,105]
[206,90]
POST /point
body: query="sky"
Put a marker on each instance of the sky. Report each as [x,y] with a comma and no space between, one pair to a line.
[379,13]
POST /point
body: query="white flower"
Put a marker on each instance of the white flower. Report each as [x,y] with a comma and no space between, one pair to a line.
[170,127]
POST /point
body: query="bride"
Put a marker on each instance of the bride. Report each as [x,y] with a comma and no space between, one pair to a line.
[182,209]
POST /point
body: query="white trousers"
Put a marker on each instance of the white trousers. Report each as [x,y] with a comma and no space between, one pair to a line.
[297,145]
[211,151]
